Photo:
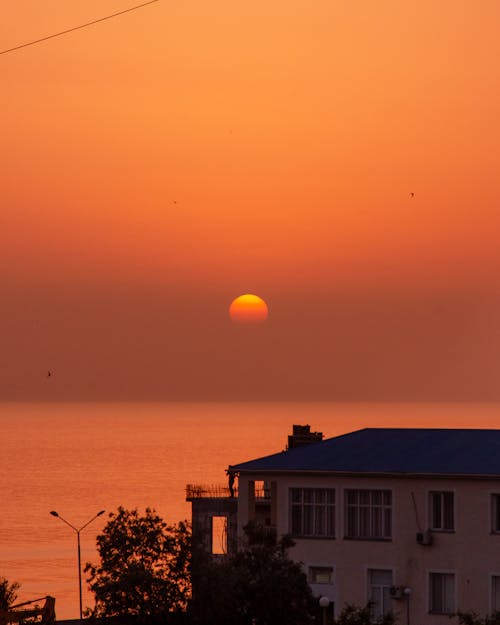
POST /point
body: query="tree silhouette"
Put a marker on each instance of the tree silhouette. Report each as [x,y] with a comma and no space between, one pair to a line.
[8,593]
[144,566]
[258,584]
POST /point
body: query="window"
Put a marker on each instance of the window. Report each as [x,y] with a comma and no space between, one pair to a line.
[261,489]
[495,513]
[369,514]
[442,593]
[442,514]
[219,534]
[495,593]
[321,575]
[312,512]
[379,592]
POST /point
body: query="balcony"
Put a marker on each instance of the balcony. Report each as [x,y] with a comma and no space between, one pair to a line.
[221,491]
[208,491]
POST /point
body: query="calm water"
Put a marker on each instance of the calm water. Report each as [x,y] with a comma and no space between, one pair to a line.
[80,458]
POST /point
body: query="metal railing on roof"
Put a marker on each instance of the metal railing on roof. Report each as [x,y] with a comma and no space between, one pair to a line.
[218,491]
[209,491]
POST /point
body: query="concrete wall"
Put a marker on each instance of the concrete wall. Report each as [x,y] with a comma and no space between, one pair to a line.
[202,512]
[471,551]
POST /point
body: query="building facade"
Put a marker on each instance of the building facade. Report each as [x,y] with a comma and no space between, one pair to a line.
[406,519]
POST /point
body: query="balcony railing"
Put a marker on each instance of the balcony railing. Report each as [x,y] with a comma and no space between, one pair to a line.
[219,491]
[209,491]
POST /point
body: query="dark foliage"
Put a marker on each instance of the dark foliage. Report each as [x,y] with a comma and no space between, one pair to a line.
[143,571]
[355,615]
[259,584]
[8,593]
[471,618]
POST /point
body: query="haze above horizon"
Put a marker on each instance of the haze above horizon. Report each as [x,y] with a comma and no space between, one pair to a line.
[340,160]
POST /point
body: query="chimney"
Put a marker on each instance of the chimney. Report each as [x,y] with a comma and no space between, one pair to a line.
[302,435]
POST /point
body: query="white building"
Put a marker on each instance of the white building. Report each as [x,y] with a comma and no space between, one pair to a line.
[408,519]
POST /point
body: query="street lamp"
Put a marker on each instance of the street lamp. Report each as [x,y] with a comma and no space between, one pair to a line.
[54,513]
[324,602]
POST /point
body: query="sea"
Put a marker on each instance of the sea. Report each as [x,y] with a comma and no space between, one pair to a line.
[80,458]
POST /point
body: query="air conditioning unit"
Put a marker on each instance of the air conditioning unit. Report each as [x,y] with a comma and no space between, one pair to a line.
[396,592]
[424,538]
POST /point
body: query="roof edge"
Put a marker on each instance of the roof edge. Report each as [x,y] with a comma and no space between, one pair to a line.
[468,476]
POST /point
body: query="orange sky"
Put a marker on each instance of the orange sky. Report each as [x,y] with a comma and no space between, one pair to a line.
[157,165]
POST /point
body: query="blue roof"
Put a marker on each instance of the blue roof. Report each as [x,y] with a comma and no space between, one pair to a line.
[392,450]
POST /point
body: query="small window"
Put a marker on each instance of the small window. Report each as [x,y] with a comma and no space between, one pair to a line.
[321,574]
[219,535]
[259,489]
[379,592]
[442,593]
[495,513]
[442,511]
[495,593]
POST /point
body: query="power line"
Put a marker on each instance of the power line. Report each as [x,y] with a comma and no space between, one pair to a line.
[70,30]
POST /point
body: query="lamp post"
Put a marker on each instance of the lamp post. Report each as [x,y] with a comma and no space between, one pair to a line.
[324,602]
[54,513]
[407,594]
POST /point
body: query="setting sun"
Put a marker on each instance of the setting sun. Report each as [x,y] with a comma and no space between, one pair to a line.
[248,308]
